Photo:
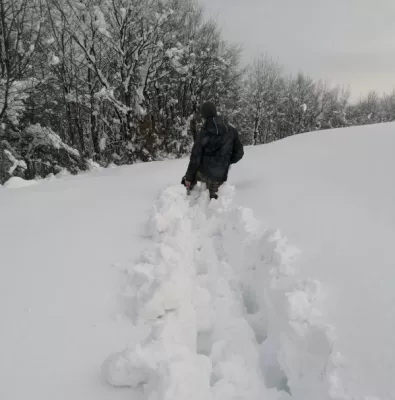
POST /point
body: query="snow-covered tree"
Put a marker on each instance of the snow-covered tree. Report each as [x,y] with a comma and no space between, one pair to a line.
[20,34]
[262,97]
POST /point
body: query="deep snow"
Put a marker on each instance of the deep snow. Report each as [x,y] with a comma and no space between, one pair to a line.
[115,278]
[333,194]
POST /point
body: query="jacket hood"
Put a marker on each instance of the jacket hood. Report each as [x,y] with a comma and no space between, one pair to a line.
[208,110]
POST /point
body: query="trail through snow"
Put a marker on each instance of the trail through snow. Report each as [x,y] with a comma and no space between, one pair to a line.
[217,311]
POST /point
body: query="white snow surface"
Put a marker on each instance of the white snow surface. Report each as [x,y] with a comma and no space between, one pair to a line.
[116,285]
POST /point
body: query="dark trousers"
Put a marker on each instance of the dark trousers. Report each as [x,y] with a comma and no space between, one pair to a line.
[211,185]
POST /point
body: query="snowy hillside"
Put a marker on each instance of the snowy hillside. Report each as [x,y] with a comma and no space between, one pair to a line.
[115,285]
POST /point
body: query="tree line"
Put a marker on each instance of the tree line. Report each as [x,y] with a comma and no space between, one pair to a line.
[275,106]
[121,81]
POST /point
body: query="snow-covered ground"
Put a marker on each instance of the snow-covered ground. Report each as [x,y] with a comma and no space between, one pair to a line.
[115,285]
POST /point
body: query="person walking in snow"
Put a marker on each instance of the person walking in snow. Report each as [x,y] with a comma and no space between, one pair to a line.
[216,147]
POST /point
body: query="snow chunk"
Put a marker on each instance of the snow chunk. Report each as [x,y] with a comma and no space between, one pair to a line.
[100,21]
[16,163]
[16,183]
[80,6]
[43,136]
[93,166]
[54,60]
[103,143]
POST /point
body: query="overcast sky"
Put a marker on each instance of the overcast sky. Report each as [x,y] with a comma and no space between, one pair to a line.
[346,42]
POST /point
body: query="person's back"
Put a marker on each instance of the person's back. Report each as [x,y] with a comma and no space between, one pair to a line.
[216,147]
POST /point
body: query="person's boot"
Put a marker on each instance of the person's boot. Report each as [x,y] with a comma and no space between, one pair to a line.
[213,196]
[188,189]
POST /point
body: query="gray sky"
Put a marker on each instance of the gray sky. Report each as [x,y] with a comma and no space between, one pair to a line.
[346,42]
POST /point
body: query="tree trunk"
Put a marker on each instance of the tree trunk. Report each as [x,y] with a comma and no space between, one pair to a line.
[93,119]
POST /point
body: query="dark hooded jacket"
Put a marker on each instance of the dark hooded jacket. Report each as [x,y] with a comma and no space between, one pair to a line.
[216,147]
